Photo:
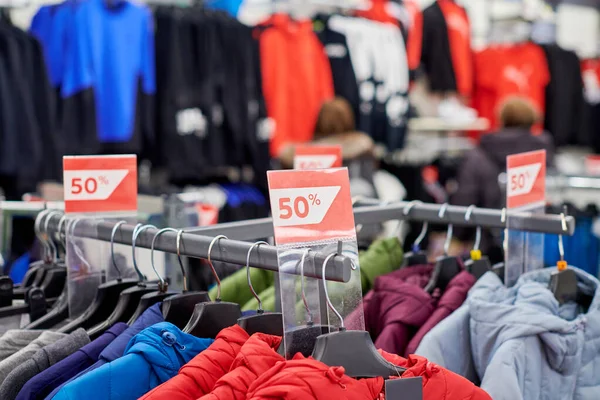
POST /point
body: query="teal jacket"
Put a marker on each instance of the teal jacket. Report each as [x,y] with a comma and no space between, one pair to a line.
[152,357]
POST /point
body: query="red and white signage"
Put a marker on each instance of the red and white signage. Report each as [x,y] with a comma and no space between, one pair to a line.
[311,206]
[526,183]
[208,214]
[100,184]
[317,157]
[592,165]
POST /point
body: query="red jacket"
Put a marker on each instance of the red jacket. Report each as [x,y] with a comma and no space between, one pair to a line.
[198,377]
[256,357]
[305,378]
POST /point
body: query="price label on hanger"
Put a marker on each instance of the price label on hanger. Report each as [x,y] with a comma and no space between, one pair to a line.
[317,157]
[100,184]
[310,206]
[526,184]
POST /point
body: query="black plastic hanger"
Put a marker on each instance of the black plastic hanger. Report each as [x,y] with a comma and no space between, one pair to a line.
[446,267]
[6,291]
[106,298]
[563,283]
[302,339]
[152,298]
[353,350]
[130,297]
[208,319]
[35,305]
[269,323]
[178,309]
[478,264]
[60,309]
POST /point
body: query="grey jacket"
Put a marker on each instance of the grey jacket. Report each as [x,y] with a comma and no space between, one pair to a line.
[520,342]
[42,359]
[15,339]
[18,358]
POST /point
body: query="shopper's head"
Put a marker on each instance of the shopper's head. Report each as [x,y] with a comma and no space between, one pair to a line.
[518,112]
[336,116]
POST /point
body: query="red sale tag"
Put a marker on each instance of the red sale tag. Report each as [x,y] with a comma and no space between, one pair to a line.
[526,183]
[311,206]
[317,157]
[100,184]
[592,165]
[207,214]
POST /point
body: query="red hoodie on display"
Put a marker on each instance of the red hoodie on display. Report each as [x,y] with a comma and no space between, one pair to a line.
[198,377]
[256,357]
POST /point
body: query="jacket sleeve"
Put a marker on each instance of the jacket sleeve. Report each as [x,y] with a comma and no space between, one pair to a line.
[449,345]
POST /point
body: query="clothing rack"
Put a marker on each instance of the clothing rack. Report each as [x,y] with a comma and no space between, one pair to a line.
[372,212]
[225,250]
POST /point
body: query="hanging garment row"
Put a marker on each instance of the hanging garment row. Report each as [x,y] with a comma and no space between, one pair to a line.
[245,348]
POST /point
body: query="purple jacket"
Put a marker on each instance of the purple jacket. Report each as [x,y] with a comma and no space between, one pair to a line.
[454,296]
[397,306]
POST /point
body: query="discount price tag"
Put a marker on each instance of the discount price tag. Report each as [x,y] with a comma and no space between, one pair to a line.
[317,157]
[592,165]
[100,184]
[311,205]
[526,183]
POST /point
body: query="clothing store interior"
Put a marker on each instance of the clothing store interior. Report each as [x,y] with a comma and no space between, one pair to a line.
[299,199]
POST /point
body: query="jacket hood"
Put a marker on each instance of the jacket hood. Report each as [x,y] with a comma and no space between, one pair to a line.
[500,314]
[438,382]
[151,316]
[501,144]
[256,357]
[382,257]
[166,348]
[306,378]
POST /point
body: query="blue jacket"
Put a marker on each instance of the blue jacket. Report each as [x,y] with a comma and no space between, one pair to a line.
[151,316]
[520,342]
[152,357]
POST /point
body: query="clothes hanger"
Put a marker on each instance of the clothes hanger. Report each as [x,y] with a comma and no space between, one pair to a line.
[149,299]
[416,256]
[107,295]
[563,282]
[269,323]
[56,272]
[179,308]
[60,310]
[353,350]
[32,271]
[446,267]
[208,319]
[478,264]
[130,297]
[302,339]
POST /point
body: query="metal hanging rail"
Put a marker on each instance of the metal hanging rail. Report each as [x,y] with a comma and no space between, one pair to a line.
[375,212]
[225,250]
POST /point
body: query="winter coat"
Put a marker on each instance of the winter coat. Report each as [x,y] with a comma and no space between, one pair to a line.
[306,378]
[396,307]
[452,298]
[520,341]
[152,357]
[256,357]
[199,376]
